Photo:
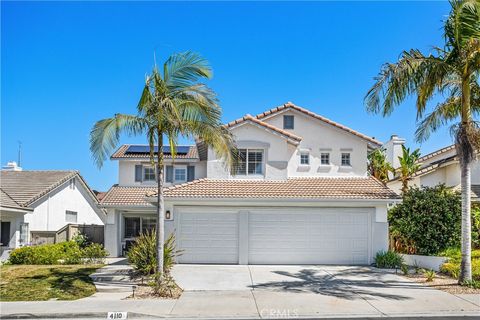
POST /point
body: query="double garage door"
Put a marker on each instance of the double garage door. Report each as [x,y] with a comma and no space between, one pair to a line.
[273,236]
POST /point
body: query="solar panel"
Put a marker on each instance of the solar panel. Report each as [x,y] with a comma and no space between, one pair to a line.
[166,149]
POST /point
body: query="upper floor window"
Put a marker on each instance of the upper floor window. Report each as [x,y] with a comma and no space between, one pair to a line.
[148,174]
[250,162]
[288,122]
[71,216]
[180,174]
[346,159]
[325,158]
[304,158]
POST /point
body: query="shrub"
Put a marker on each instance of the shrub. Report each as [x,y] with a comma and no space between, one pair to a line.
[430,275]
[68,252]
[388,259]
[404,269]
[143,253]
[428,219]
[94,253]
[476,226]
[452,267]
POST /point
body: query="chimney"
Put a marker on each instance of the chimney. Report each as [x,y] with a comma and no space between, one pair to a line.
[393,150]
[11,166]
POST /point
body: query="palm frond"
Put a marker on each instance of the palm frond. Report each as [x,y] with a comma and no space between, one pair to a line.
[181,69]
[105,134]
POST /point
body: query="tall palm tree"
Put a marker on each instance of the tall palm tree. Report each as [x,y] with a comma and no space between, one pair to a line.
[378,166]
[173,104]
[451,72]
[408,166]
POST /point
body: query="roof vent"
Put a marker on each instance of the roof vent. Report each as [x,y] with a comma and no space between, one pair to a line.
[11,166]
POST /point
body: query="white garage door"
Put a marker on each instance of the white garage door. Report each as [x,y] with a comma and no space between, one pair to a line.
[207,236]
[316,236]
[273,236]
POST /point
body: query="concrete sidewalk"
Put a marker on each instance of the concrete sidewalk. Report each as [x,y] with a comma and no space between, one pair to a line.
[262,292]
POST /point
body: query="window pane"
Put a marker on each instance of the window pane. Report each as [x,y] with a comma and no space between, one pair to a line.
[148,174]
[255,161]
[304,158]
[149,224]
[242,166]
[132,227]
[287,122]
[180,174]
[70,216]
[345,159]
[325,158]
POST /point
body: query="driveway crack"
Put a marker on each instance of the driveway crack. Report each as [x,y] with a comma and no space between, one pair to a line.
[358,294]
[251,291]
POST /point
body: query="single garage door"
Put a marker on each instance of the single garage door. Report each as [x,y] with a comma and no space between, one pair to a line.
[309,236]
[207,236]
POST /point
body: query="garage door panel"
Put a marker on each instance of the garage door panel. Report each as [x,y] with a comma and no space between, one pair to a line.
[209,236]
[316,236]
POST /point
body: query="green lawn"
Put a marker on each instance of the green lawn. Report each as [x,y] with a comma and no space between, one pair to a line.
[452,267]
[29,283]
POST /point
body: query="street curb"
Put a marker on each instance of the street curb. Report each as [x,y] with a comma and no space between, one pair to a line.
[133,315]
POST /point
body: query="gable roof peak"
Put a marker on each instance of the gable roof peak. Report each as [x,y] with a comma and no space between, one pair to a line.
[290,105]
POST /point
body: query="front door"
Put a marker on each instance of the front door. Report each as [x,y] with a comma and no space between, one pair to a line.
[5,233]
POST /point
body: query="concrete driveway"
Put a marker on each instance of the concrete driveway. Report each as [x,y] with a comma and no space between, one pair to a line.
[306,291]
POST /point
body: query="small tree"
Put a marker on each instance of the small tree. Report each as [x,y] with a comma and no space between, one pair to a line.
[378,166]
[428,219]
[408,166]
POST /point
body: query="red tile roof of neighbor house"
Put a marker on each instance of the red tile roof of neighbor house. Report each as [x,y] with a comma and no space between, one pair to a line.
[436,153]
[122,153]
[290,105]
[249,118]
[359,188]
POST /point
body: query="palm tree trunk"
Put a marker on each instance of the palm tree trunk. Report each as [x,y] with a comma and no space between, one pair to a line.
[465,161]
[466,265]
[160,209]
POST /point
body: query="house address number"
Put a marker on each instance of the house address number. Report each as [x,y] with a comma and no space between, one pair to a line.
[116,315]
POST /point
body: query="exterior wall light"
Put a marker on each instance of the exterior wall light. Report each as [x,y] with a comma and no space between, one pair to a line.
[168,215]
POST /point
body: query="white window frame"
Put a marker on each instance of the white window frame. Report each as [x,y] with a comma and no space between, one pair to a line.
[303,154]
[71,212]
[349,164]
[144,177]
[178,168]
[327,155]
[247,151]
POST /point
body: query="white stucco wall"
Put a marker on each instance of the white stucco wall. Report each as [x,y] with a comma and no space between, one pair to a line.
[126,171]
[282,159]
[49,211]
[15,219]
[318,137]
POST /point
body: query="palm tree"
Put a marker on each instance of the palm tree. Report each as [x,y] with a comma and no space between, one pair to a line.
[172,104]
[408,166]
[378,166]
[451,72]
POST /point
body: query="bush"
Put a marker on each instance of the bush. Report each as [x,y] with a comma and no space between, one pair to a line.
[427,221]
[476,226]
[430,275]
[68,252]
[94,253]
[143,253]
[452,267]
[388,259]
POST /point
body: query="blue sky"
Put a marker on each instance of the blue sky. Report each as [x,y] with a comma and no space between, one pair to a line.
[66,65]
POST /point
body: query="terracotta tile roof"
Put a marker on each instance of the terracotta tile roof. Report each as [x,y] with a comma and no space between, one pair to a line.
[127,196]
[24,187]
[121,153]
[294,188]
[296,139]
[290,105]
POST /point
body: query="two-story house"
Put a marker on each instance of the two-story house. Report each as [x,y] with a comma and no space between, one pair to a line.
[438,167]
[300,195]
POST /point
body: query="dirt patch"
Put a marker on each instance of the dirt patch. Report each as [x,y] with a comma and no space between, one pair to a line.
[444,283]
[168,291]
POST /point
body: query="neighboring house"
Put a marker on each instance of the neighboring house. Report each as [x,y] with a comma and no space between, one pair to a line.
[438,167]
[36,204]
[301,195]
